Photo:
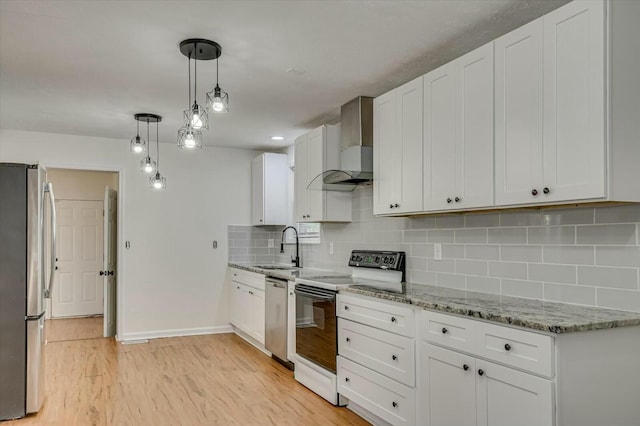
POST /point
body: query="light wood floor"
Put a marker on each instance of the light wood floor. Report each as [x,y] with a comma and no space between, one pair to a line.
[200,380]
[58,330]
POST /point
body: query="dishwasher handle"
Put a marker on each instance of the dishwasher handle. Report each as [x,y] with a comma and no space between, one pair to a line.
[275,282]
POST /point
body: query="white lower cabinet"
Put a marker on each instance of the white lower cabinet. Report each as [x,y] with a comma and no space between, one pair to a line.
[246,303]
[291,322]
[460,389]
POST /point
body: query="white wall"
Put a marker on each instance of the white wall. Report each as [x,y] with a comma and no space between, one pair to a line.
[170,280]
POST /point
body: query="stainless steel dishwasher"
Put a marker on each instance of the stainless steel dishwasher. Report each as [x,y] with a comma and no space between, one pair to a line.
[276,319]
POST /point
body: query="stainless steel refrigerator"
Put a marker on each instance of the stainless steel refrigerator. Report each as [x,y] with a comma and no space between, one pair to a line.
[26,237]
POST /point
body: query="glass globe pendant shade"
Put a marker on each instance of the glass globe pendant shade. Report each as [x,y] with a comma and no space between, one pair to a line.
[158,181]
[218,100]
[189,138]
[196,117]
[138,145]
[147,165]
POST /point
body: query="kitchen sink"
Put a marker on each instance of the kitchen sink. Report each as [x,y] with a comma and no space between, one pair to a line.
[276,267]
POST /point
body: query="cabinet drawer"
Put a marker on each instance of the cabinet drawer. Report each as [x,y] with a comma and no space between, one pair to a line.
[517,348]
[387,316]
[249,278]
[386,398]
[447,330]
[381,351]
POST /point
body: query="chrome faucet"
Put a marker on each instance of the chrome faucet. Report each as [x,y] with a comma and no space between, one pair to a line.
[296,261]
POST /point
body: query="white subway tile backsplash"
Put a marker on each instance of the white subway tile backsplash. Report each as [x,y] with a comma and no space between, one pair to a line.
[474,236]
[508,236]
[618,299]
[521,218]
[508,270]
[618,214]
[450,280]
[421,277]
[567,216]
[483,220]
[580,255]
[606,234]
[440,236]
[471,267]
[450,221]
[416,263]
[453,251]
[552,273]
[618,256]
[522,288]
[444,265]
[482,252]
[415,236]
[422,250]
[483,284]
[422,222]
[599,276]
[552,235]
[521,253]
[570,294]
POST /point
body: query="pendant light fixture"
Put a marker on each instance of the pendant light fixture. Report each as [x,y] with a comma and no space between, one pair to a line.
[147,164]
[217,99]
[158,181]
[137,144]
[196,118]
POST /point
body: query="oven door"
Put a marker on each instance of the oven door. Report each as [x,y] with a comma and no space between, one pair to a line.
[316,332]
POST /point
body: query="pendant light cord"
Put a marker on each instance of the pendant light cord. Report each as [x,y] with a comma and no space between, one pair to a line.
[195,76]
[157,148]
[137,127]
[147,136]
[217,71]
[189,89]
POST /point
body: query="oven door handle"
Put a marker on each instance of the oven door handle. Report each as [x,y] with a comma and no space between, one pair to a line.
[314,295]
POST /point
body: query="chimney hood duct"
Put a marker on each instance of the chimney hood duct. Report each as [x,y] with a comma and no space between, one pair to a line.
[356,149]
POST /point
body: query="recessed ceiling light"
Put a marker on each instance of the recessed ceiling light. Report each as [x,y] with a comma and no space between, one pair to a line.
[277,138]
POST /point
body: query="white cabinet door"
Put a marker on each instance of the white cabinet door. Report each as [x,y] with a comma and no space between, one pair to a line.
[291,322]
[518,114]
[256,326]
[397,150]
[449,384]
[440,87]
[315,166]
[301,194]
[235,304]
[506,397]
[474,141]
[387,167]
[574,102]
[257,191]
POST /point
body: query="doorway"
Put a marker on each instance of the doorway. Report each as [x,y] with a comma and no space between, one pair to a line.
[83,302]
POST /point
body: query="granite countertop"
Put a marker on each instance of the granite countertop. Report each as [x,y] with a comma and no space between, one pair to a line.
[551,317]
[288,274]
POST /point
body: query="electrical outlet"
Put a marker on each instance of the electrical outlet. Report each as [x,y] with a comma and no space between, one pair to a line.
[270,243]
[437,251]
[330,248]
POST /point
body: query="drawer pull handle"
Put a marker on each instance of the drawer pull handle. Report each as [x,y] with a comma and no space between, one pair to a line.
[444,330]
[393,319]
[346,379]
[346,308]
[348,339]
[394,357]
[480,372]
[507,347]
[395,404]
[465,367]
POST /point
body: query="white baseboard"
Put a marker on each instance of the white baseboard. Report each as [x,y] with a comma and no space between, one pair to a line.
[177,332]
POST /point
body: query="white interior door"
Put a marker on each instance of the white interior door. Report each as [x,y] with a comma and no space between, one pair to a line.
[78,289]
[110,225]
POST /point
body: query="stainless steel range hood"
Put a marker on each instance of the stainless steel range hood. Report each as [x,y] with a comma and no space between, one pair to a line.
[356,145]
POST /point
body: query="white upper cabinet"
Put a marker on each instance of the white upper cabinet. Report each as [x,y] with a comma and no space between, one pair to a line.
[458,133]
[550,108]
[315,152]
[269,189]
[397,150]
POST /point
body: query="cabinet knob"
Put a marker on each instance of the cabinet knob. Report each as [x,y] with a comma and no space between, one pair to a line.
[348,339]
[238,287]
[393,319]
[396,205]
[260,220]
[534,192]
[390,206]
[457,199]
[346,379]
[444,330]
[449,200]
[394,357]
[290,293]
[546,190]
[465,367]
[480,372]
[395,404]
[507,347]
[346,308]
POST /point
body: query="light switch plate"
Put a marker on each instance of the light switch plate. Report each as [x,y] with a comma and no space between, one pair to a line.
[437,251]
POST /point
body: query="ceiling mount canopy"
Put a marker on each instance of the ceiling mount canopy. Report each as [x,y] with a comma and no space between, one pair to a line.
[196,117]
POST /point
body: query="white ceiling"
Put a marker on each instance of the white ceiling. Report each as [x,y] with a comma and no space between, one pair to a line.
[85,67]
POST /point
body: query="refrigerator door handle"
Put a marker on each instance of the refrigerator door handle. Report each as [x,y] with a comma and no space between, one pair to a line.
[48,188]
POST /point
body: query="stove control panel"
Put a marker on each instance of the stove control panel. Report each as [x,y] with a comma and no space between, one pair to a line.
[391,260]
